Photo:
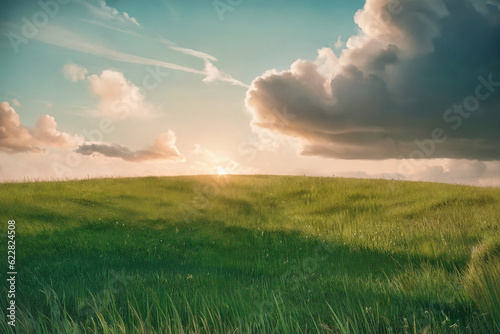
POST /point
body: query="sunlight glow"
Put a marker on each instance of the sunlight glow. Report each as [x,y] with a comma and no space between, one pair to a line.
[221,171]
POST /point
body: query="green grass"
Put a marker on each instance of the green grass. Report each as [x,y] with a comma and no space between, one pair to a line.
[253,254]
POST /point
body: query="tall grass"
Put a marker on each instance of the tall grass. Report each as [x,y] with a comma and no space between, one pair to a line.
[483,279]
[253,255]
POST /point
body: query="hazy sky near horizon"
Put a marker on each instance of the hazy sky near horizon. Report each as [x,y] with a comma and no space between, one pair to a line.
[377,88]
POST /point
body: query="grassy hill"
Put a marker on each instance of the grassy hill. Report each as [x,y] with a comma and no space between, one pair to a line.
[253,254]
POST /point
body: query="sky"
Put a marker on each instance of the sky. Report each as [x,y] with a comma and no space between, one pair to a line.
[395,89]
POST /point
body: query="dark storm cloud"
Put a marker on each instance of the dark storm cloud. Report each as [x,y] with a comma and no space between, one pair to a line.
[426,78]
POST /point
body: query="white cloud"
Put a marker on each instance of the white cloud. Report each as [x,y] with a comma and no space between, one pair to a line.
[129,18]
[213,74]
[118,97]
[74,72]
[194,53]
[338,44]
[15,137]
[16,103]
[62,37]
[100,9]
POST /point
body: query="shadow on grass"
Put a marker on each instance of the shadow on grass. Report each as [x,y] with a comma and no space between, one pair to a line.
[204,247]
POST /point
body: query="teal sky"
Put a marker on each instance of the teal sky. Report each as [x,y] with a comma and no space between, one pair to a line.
[202,108]
[254,37]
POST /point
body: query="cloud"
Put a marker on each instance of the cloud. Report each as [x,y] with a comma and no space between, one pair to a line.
[100,9]
[163,149]
[338,44]
[118,96]
[194,53]
[58,36]
[111,27]
[16,103]
[454,171]
[74,72]
[412,69]
[15,137]
[213,74]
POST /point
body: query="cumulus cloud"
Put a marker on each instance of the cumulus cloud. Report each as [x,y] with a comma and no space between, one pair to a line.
[163,149]
[118,96]
[74,72]
[416,66]
[15,137]
[16,103]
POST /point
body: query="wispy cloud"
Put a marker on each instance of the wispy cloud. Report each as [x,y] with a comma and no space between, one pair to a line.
[64,38]
[108,26]
[74,72]
[211,72]
[194,53]
[214,74]
[338,44]
[101,10]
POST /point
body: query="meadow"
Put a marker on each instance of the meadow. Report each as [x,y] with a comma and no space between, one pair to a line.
[252,254]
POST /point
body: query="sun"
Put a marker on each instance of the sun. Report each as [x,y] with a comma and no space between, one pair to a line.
[221,171]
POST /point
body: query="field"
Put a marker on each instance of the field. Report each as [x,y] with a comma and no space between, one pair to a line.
[252,254]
